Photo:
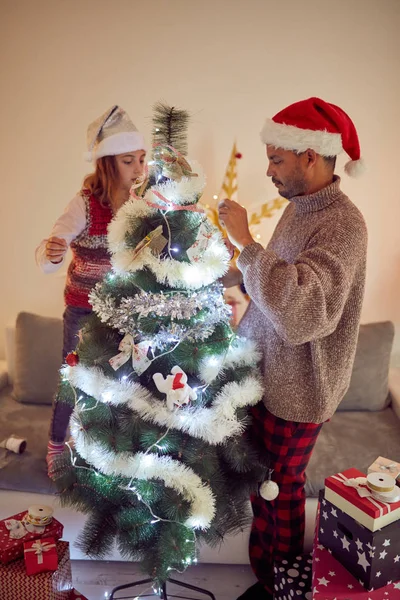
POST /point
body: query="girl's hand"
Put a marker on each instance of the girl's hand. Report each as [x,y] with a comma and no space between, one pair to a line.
[56,249]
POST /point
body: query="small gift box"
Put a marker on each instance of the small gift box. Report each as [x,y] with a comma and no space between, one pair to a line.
[11,547]
[373,557]
[40,556]
[385,465]
[292,578]
[351,497]
[15,584]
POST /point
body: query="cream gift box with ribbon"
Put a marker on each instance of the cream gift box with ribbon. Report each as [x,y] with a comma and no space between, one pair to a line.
[349,492]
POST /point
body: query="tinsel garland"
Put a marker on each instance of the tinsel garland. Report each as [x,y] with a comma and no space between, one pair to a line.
[125,316]
[185,191]
[213,424]
[177,305]
[150,466]
[168,271]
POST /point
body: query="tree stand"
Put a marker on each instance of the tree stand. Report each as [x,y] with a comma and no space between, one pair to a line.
[163,590]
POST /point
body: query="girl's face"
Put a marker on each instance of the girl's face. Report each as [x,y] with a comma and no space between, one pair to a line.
[130,166]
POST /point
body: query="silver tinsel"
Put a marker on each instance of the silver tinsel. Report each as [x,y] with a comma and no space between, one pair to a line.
[179,306]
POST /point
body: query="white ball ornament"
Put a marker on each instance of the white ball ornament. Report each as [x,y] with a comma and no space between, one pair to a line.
[269,490]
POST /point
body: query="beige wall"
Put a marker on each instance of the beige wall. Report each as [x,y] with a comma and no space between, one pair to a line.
[231,63]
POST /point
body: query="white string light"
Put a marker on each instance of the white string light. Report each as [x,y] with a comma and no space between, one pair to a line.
[145,458]
[169,231]
[156,518]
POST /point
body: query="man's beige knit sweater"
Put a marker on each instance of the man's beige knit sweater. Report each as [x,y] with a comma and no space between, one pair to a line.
[307,289]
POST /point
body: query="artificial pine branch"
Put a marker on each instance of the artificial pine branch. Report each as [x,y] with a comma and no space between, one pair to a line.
[170,126]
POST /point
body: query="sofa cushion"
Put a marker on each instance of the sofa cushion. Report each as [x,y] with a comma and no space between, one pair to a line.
[352,439]
[38,352]
[368,388]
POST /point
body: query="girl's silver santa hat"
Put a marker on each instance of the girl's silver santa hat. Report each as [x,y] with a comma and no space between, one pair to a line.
[113,133]
[317,125]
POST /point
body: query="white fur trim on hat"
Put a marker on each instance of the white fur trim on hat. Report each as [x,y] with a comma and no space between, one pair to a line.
[293,138]
[127,141]
[355,168]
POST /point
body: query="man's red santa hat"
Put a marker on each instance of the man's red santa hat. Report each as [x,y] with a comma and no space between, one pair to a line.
[317,125]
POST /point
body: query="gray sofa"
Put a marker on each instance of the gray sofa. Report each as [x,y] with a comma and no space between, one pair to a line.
[367,422]
[366,425]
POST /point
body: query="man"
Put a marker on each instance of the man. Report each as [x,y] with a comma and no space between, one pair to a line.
[306,291]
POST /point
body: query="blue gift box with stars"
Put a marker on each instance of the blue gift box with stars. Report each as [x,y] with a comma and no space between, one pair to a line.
[372,557]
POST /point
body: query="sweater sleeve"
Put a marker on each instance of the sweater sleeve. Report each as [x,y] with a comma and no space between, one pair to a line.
[305,300]
[71,223]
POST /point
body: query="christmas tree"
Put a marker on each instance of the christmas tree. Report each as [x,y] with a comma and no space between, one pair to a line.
[161,385]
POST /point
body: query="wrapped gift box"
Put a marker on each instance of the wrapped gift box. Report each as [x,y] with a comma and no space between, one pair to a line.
[15,584]
[11,549]
[373,557]
[40,556]
[385,465]
[293,578]
[332,581]
[75,595]
[369,512]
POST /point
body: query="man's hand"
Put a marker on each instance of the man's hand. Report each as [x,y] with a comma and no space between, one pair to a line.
[234,218]
[229,246]
[232,277]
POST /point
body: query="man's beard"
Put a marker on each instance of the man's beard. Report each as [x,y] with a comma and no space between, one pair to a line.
[295,185]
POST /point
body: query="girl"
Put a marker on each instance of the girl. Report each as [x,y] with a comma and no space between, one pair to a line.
[119,151]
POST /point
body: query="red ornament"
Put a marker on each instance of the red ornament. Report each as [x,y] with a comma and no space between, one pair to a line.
[238,155]
[72,359]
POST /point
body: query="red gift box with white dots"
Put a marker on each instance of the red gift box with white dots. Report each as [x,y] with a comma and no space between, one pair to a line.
[11,549]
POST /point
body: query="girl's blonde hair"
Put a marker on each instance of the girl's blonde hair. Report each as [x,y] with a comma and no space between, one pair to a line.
[104,182]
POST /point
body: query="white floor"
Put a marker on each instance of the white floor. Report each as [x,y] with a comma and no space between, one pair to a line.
[232,551]
[224,571]
[96,579]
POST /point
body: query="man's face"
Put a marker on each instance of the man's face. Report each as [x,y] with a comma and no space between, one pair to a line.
[287,171]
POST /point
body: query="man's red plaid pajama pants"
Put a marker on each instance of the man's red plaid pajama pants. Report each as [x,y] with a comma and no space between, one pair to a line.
[278,526]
